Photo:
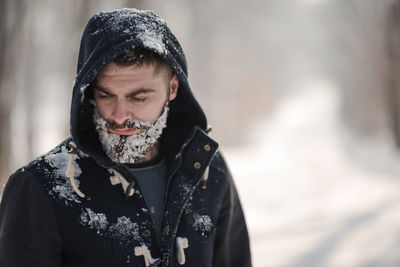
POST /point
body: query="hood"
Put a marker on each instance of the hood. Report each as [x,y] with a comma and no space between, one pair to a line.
[105,37]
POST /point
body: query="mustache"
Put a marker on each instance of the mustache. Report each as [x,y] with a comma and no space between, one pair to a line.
[130,123]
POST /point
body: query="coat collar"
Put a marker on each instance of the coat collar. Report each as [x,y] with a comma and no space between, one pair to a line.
[191,164]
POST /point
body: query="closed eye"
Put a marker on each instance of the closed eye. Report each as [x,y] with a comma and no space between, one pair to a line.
[103,95]
[139,99]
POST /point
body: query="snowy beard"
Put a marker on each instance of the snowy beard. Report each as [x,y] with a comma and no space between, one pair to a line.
[129,148]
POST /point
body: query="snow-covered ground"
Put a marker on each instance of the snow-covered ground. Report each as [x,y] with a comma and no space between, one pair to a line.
[308,202]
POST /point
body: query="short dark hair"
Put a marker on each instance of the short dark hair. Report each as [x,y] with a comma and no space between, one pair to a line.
[140,56]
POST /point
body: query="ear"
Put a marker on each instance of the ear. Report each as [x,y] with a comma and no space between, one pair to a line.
[173,87]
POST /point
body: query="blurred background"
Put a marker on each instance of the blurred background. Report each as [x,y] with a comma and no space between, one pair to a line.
[303,96]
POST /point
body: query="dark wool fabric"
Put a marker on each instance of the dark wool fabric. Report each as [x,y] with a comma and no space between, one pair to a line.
[44,221]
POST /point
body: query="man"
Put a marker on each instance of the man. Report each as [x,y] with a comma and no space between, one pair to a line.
[139,183]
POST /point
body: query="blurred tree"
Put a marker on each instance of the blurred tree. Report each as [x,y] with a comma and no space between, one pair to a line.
[39,42]
[359,66]
[4,99]
[10,41]
[393,38]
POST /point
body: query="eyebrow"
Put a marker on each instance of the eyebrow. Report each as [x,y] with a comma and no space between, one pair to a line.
[141,91]
[135,93]
[96,87]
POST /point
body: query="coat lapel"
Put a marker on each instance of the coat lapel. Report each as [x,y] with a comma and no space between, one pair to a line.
[194,159]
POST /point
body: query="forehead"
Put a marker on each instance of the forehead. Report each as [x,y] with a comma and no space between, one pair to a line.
[145,75]
[115,71]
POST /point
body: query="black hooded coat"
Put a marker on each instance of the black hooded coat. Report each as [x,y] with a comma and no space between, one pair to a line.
[63,210]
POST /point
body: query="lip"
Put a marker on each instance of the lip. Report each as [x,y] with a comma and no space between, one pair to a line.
[123,131]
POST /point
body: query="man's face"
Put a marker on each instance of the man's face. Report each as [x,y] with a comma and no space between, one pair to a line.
[132,92]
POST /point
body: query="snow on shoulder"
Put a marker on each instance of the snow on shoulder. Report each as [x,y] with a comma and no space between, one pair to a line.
[58,161]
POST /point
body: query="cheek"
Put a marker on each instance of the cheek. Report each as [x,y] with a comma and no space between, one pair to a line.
[152,110]
[150,113]
[103,109]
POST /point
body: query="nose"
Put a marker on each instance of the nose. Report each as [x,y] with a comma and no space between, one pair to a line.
[121,111]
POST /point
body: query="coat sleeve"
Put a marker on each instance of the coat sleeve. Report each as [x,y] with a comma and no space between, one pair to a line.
[28,228]
[231,246]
